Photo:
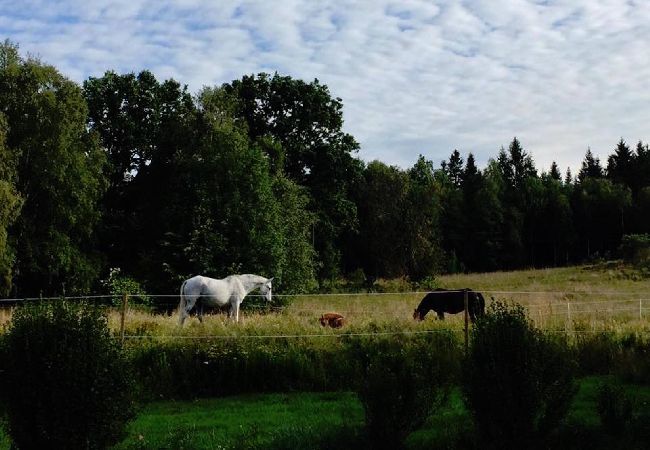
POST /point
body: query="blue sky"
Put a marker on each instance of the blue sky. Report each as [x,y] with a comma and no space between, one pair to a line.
[416,77]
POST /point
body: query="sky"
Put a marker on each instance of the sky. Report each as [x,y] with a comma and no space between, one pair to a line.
[415,77]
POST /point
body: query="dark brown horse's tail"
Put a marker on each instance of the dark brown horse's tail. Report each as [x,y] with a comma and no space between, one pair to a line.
[480,311]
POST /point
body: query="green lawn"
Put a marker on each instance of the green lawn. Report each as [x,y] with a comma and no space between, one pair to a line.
[297,420]
[256,420]
[242,421]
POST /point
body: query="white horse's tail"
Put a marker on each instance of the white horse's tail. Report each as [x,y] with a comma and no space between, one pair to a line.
[181,306]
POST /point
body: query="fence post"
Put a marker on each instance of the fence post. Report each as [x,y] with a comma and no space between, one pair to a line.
[125,299]
[465,297]
[640,309]
[568,311]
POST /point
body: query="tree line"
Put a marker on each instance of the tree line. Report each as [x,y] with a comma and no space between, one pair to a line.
[257,175]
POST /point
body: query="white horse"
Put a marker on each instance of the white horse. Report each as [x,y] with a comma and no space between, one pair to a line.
[230,290]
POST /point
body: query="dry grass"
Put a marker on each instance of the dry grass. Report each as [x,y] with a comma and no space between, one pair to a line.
[583,298]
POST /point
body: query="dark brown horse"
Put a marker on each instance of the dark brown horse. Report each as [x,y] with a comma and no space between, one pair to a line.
[452,302]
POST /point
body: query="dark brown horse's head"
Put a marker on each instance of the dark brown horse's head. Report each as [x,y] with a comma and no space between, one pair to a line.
[417,315]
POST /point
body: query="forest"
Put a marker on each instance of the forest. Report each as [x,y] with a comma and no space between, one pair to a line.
[126,172]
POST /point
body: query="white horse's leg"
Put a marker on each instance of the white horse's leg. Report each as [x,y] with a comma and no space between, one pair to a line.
[231,309]
[199,312]
[190,300]
[183,313]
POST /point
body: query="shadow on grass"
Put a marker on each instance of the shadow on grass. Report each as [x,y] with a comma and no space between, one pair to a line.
[335,421]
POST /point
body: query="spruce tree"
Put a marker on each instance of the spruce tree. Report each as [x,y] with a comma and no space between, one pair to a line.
[620,165]
[591,167]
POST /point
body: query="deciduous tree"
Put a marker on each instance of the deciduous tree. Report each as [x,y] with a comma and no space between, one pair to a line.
[58,174]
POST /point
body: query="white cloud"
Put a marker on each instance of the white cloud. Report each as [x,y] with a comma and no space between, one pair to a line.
[415,76]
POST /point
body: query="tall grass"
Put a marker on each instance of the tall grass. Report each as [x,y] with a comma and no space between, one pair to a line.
[594,298]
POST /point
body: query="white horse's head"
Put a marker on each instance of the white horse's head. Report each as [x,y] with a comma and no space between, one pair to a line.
[265,289]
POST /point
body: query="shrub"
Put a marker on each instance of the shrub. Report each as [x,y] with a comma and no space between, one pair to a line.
[230,366]
[634,363]
[118,284]
[400,383]
[614,408]
[517,383]
[66,384]
[596,353]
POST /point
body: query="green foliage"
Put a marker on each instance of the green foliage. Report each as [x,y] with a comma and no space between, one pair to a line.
[633,363]
[238,218]
[401,383]
[10,205]
[382,197]
[65,383]
[600,207]
[421,222]
[597,353]
[145,127]
[229,366]
[398,214]
[117,285]
[517,382]
[635,248]
[296,271]
[257,175]
[615,408]
[591,167]
[307,122]
[58,174]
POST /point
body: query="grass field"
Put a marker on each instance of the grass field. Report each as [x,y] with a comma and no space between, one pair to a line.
[249,420]
[608,296]
[298,420]
[256,421]
[604,297]
[587,298]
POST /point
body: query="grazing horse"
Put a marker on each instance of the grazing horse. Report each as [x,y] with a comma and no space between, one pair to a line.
[443,301]
[227,291]
[333,320]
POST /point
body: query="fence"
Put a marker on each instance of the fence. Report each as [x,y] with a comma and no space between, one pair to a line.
[555,311]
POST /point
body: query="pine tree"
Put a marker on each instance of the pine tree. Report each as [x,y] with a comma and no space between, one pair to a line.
[591,167]
[642,165]
[521,162]
[555,171]
[568,178]
[620,165]
[454,168]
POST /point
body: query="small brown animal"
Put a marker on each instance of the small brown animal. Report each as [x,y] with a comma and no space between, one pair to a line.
[333,320]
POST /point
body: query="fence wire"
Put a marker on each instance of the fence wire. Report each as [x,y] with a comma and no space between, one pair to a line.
[564,305]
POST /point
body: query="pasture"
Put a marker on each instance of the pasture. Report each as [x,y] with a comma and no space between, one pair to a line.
[572,299]
[284,383]
[605,297]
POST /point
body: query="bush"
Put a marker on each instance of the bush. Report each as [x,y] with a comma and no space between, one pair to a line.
[65,382]
[614,408]
[118,284]
[517,383]
[634,363]
[231,366]
[400,383]
[596,354]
